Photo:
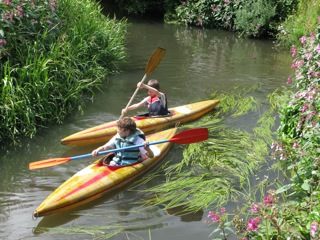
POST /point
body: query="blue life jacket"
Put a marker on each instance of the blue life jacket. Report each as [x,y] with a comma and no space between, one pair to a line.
[155,106]
[129,156]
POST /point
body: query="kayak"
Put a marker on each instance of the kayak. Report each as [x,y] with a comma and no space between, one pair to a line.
[103,132]
[95,180]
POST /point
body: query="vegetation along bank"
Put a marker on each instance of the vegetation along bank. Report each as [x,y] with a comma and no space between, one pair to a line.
[53,55]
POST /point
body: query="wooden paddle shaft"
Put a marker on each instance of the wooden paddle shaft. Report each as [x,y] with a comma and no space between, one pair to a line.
[134,94]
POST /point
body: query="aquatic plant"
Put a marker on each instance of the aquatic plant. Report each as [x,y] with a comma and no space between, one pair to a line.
[215,171]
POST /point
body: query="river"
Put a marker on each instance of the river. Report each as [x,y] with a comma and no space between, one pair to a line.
[197,63]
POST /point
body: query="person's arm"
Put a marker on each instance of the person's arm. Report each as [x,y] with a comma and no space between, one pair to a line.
[149,152]
[142,85]
[134,106]
[145,151]
[107,146]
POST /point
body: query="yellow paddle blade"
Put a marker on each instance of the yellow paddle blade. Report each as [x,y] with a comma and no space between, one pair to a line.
[154,60]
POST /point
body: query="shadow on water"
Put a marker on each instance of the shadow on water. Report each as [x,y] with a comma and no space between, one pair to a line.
[48,222]
[184,215]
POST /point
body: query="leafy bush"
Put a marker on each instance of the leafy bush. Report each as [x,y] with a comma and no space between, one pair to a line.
[300,23]
[254,17]
[207,13]
[52,57]
[251,18]
[300,127]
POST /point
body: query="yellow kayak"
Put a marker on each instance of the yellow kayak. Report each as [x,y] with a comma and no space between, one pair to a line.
[103,132]
[96,180]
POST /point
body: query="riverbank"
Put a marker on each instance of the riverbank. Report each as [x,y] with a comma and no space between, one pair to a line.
[54,56]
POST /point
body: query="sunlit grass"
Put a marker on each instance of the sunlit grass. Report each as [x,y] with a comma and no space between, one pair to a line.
[301,23]
[54,73]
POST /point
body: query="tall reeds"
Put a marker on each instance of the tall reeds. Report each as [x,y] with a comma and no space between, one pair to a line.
[53,56]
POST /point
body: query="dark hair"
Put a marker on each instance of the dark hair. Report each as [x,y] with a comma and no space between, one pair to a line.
[127,123]
[154,83]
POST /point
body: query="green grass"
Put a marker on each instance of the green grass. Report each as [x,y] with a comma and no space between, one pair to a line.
[301,23]
[54,72]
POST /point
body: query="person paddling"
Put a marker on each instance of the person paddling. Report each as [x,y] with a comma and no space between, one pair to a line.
[156,102]
[127,135]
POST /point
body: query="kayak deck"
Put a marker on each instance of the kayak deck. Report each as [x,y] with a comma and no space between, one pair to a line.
[103,132]
[96,180]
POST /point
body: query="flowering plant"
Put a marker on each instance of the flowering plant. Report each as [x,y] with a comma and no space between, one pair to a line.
[268,219]
[299,129]
[22,21]
[296,215]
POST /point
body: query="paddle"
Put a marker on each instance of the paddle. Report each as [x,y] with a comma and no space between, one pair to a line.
[184,137]
[153,62]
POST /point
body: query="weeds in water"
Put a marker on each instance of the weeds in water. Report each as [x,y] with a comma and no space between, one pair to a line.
[215,171]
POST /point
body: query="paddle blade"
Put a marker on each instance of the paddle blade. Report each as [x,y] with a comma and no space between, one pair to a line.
[48,163]
[191,136]
[154,60]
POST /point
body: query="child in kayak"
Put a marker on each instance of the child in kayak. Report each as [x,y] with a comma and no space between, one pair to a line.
[127,135]
[156,101]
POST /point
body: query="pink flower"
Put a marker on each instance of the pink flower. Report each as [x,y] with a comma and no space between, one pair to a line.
[313,229]
[7,2]
[289,80]
[315,74]
[223,210]
[295,145]
[2,42]
[19,11]
[254,208]
[214,216]
[303,40]
[268,200]
[318,48]
[8,16]
[297,64]
[308,56]
[304,108]
[293,51]
[253,224]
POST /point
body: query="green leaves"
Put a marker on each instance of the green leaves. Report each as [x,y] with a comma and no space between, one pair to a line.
[56,56]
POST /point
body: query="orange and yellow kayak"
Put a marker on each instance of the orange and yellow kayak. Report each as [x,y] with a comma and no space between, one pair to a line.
[103,132]
[96,180]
